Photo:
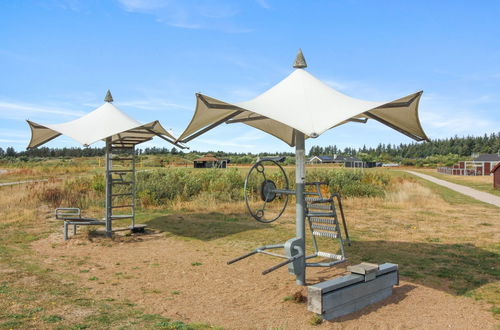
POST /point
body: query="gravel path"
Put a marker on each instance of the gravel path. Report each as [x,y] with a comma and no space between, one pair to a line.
[479,195]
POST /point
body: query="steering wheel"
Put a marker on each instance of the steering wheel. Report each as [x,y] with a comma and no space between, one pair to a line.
[266,183]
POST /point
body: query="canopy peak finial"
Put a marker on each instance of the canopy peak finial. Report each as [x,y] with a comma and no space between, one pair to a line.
[109,97]
[300,61]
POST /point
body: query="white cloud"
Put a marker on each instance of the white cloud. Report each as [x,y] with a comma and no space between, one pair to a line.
[189,14]
[445,117]
[264,4]
[19,110]
[153,104]
[13,141]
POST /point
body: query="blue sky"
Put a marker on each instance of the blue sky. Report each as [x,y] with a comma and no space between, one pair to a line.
[58,58]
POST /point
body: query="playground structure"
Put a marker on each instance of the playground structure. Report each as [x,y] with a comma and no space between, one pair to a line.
[301,107]
[121,134]
[321,215]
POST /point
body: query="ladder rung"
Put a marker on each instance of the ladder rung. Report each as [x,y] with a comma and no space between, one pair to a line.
[122,216]
[324,227]
[120,195]
[122,158]
[323,220]
[330,255]
[324,234]
[121,171]
[121,182]
[121,206]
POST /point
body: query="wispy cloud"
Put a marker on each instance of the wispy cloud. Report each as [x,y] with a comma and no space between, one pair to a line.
[264,4]
[17,141]
[189,14]
[19,110]
[153,104]
[445,117]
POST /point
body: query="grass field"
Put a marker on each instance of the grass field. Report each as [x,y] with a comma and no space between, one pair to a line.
[440,239]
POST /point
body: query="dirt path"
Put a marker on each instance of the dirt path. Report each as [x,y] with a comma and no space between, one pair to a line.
[479,195]
[189,280]
[21,182]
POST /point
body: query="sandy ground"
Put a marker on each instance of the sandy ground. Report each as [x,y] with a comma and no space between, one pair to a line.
[189,280]
[479,195]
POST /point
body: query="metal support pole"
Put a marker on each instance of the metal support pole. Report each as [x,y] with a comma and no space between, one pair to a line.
[109,189]
[300,177]
[133,186]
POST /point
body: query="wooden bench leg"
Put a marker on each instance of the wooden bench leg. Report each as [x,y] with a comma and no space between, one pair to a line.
[74,229]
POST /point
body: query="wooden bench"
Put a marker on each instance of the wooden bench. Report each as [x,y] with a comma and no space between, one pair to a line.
[367,284]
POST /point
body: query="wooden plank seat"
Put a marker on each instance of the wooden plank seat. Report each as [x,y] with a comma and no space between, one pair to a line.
[73,216]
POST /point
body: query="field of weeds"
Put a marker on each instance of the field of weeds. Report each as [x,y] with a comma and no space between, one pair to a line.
[445,244]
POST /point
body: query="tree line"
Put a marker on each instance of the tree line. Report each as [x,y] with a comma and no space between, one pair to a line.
[453,148]
[460,146]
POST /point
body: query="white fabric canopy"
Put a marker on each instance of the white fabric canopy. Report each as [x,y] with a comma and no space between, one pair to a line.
[106,121]
[304,103]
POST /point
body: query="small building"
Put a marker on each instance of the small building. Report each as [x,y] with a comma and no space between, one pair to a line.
[480,165]
[321,160]
[496,176]
[348,161]
[210,161]
[486,162]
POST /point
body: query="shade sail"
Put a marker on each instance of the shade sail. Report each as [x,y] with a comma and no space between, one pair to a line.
[302,102]
[106,121]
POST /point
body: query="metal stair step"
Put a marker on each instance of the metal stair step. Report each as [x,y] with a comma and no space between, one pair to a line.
[318,200]
[330,255]
[320,214]
[320,206]
[323,220]
[324,234]
[325,227]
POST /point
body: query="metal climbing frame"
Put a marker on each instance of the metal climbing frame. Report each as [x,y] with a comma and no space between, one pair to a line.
[120,185]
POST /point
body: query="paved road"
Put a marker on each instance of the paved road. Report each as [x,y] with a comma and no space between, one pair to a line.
[479,195]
